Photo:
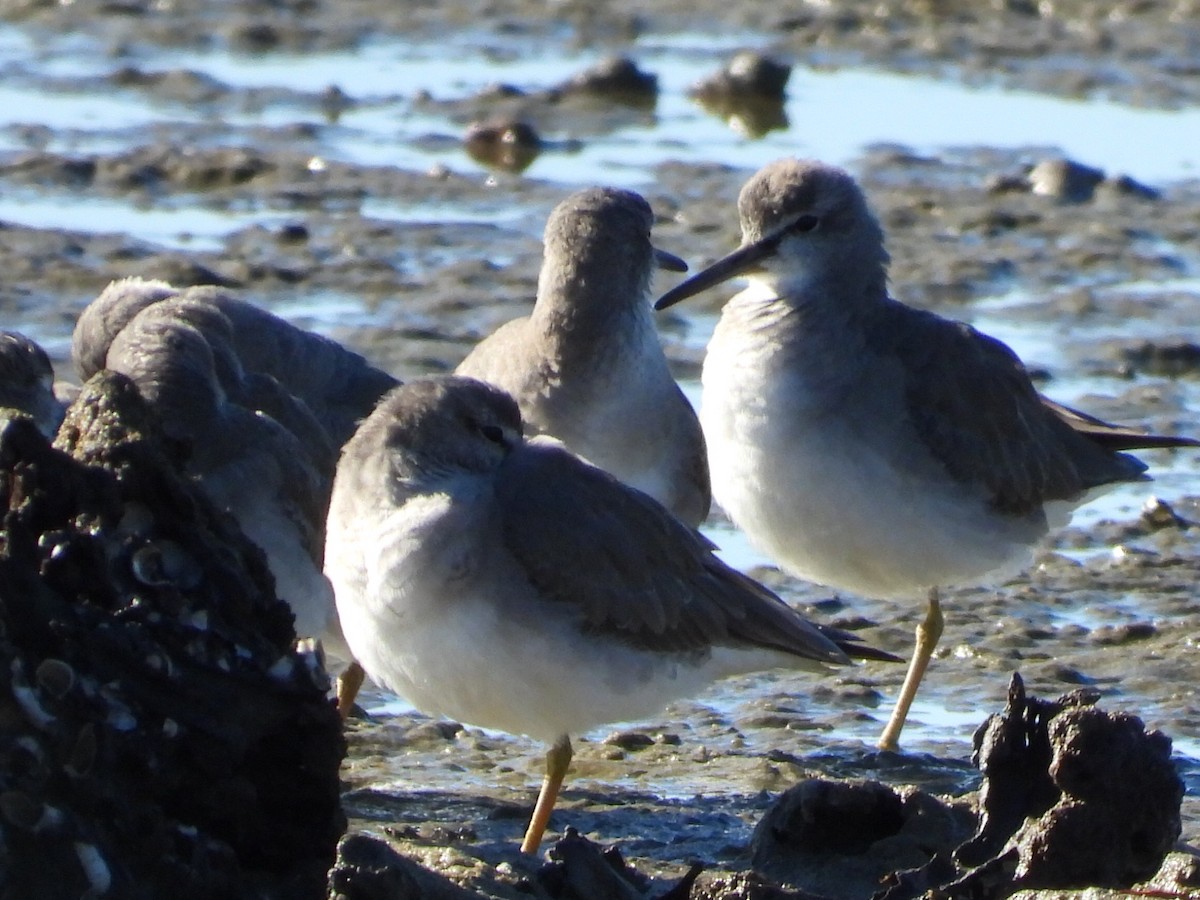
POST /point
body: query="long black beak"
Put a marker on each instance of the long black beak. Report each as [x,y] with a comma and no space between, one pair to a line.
[669,261]
[723,269]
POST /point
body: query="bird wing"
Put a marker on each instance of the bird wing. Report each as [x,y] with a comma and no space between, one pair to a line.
[972,401]
[633,571]
[270,460]
[1115,437]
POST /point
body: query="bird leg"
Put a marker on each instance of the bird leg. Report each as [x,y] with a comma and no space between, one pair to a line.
[928,634]
[558,758]
[348,684]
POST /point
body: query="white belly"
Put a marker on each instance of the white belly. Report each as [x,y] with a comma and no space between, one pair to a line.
[841,500]
[445,618]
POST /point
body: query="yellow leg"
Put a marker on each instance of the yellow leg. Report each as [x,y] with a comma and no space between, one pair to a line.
[348,684]
[929,633]
[558,758]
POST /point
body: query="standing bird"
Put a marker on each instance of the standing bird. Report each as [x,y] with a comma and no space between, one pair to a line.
[511,585]
[586,366]
[867,445]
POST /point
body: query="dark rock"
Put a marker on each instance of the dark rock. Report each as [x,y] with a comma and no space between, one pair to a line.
[617,78]
[1119,813]
[368,869]
[818,816]
[580,870]
[1065,180]
[744,886]
[1157,514]
[438,730]
[839,838]
[748,75]
[335,101]
[629,740]
[507,145]
[1168,360]
[1073,797]
[1124,186]
[748,93]
[1013,752]
[161,735]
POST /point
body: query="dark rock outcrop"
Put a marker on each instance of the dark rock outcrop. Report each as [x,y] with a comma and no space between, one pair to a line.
[162,736]
[1073,797]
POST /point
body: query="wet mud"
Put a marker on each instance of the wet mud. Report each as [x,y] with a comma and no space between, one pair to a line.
[1100,262]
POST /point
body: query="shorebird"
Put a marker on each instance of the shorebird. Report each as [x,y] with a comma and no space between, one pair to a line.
[511,585]
[253,390]
[309,384]
[587,368]
[869,446]
[338,385]
[247,464]
[27,381]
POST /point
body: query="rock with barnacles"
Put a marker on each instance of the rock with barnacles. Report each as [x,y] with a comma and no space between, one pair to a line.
[162,732]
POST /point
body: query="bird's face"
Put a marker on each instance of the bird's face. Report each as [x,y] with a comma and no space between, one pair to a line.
[601,237]
[446,427]
[802,222]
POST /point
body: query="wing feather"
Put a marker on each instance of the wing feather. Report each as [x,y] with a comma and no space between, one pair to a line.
[973,403]
[631,569]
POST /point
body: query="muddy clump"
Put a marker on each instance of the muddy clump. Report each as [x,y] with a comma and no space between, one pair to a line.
[840,838]
[1072,797]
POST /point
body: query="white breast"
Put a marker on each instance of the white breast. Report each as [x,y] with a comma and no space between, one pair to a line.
[437,610]
[818,464]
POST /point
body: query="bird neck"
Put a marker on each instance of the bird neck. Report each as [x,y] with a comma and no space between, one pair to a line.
[583,309]
[810,300]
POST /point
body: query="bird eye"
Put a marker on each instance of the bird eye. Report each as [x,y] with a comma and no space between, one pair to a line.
[805,223]
[493,433]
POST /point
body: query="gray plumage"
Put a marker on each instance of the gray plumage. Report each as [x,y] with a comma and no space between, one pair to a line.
[247,463]
[817,380]
[586,366]
[27,381]
[512,585]
[337,385]
[867,445]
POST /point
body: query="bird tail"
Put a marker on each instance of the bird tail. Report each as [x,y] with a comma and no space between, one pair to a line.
[854,647]
[1115,437]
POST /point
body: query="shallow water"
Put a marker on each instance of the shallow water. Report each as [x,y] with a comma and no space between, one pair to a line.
[50,84]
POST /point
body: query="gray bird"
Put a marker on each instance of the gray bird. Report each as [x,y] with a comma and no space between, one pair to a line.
[338,385]
[511,585]
[254,391]
[867,445]
[309,384]
[587,368]
[27,381]
[247,463]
